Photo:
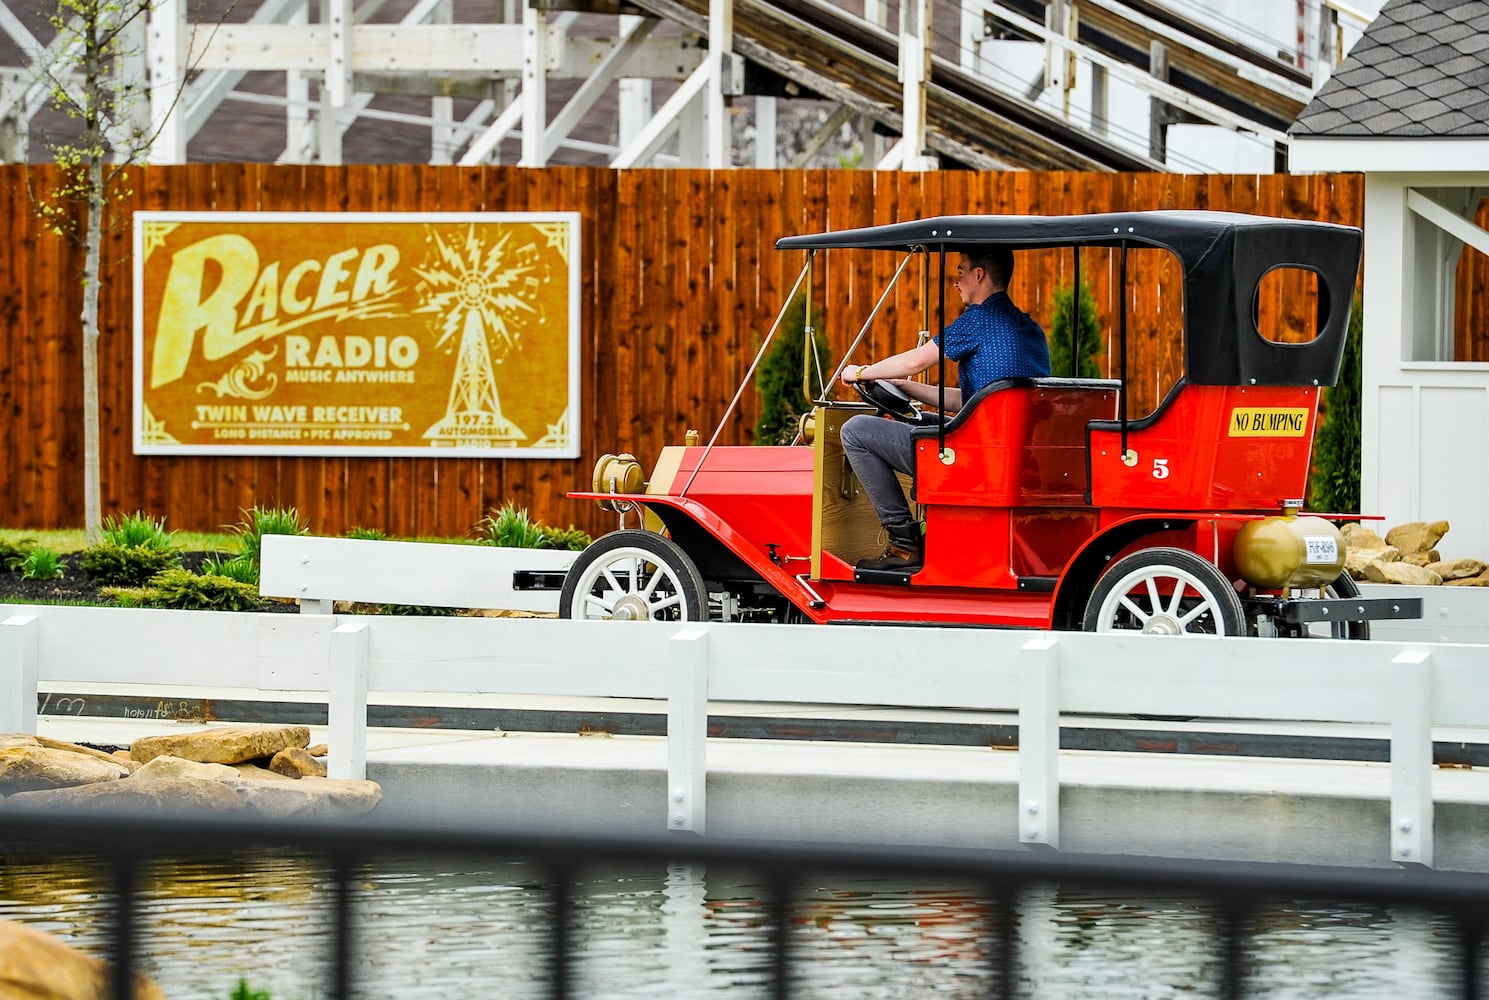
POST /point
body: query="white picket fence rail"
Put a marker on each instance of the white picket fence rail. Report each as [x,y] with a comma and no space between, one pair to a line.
[1409,686]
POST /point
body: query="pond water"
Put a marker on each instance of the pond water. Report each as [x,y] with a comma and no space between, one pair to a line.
[453,929]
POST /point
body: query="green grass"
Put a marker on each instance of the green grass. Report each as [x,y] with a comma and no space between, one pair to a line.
[64,540]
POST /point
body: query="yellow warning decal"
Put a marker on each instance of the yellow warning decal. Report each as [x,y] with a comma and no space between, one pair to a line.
[1269,421]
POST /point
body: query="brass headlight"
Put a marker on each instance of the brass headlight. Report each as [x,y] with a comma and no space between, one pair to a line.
[617,474]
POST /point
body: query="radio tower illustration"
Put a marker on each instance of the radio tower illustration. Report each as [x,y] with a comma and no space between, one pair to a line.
[475,290]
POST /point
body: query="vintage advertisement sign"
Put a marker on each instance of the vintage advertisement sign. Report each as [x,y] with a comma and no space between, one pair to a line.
[377,334]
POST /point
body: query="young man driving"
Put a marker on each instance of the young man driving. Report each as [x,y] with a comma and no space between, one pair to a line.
[992,339]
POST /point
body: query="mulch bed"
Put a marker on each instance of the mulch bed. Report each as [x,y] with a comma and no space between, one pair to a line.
[75,587]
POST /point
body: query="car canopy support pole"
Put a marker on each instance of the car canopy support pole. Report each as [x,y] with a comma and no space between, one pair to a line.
[941,358]
[809,360]
[806,271]
[1122,345]
[1075,317]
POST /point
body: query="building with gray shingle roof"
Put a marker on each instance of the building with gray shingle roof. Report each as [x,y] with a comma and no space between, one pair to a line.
[1409,107]
[1421,70]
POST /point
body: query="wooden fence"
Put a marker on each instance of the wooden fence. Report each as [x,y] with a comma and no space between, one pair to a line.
[681,281]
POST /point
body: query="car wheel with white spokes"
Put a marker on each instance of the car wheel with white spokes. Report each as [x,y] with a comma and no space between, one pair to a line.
[1164,591]
[634,576]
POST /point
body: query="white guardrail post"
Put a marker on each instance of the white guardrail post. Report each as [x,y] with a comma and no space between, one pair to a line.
[346,713]
[1411,758]
[18,672]
[1039,743]
[687,731]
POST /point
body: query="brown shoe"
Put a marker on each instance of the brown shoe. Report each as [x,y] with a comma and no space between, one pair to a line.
[905,552]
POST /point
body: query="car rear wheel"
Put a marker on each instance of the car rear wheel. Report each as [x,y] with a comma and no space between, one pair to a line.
[634,576]
[1164,591]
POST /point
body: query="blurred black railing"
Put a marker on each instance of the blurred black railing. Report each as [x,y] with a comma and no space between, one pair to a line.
[126,841]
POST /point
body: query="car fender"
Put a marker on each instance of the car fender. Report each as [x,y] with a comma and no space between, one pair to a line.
[718,549]
[1085,567]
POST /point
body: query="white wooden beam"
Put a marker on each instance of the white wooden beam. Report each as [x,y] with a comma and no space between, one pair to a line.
[534,96]
[1179,39]
[825,135]
[651,137]
[337,89]
[1128,73]
[486,143]
[915,65]
[373,48]
[720,59]
[167,78]
[594,87]
[1448,221]
[207,95]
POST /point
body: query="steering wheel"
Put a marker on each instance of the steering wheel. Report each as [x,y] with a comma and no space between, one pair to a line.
[886,397]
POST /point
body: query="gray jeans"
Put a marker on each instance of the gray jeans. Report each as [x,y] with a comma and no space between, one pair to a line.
[877,448]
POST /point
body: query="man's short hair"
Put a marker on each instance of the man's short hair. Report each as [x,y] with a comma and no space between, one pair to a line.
[997,261]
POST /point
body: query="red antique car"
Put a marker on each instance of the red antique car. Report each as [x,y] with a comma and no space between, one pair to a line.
[1045,504]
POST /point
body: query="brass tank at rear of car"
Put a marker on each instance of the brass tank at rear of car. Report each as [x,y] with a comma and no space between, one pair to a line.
[1289,552]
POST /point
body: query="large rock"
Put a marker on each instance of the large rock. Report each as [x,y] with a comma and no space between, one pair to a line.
[297,762]
[1417,536]
[18,740]
[1355,560]
[36,966]
[112,758]
[165,768]
[222,746]
[1458,569]
[1401,572]
[31,768]
[267,793]
[310,798]
[1357,536]
[163,796]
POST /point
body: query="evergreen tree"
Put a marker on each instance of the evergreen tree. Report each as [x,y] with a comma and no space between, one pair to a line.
[779,378]
[1090,334]
[1334,486]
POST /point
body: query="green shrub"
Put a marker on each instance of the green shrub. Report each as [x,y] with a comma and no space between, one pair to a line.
[12,554]
[571,538]
[239,568]
[111,564]
[1089,348]
[41,564]
[1334,485]
[137,530]
[183,590]
[779,377]
[260,522]
[245,992]
[510,528]
[426,610]
[368,534]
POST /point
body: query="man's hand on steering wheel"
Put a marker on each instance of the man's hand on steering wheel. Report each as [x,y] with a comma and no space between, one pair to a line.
[888,398]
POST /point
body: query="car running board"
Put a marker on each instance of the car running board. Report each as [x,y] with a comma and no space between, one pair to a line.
[897,577]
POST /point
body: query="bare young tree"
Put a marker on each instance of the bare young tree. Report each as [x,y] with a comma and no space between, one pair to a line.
[97,81]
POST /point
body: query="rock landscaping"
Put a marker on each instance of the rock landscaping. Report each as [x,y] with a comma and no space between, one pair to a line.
[36,966]
[252,770]
[1409,554]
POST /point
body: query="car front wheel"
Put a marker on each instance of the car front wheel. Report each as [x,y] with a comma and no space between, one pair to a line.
[634,576]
